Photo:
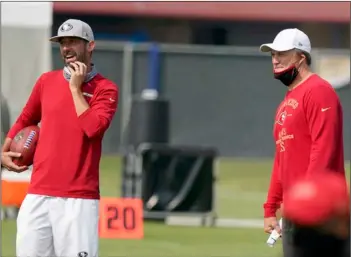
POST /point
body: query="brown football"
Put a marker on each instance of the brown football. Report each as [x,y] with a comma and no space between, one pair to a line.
[25,142]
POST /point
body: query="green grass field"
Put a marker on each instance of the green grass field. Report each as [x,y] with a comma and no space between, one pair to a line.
[241,190]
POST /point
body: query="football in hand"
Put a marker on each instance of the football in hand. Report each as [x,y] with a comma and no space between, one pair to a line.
[25,143]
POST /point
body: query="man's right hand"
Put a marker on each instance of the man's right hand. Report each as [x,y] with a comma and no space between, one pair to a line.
[7,163]
[270,224]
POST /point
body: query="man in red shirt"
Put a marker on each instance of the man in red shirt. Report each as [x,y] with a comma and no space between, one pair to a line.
[59,216]
[308,127]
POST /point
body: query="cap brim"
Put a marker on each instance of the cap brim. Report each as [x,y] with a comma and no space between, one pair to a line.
[269,47]
[57,38]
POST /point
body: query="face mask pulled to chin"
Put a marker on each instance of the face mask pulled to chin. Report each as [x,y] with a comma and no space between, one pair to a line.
[287,76]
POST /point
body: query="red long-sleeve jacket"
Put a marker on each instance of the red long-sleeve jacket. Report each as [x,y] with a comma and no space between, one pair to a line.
[66,161]
[308,133]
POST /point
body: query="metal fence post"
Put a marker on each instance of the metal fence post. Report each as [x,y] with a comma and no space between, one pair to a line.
[127,90]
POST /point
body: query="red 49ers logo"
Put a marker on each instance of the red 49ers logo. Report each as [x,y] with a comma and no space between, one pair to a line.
[281,118]
[292,104]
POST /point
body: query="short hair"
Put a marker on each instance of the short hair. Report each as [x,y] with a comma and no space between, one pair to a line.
[308,56]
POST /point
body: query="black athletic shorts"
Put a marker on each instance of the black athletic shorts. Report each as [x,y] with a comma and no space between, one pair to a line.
[309,242]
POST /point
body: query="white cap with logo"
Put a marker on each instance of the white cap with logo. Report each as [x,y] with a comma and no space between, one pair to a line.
[74,28]
[289,39]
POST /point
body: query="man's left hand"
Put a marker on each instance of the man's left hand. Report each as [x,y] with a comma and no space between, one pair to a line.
[78,73]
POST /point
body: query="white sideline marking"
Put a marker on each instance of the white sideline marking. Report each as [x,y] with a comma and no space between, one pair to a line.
[216,222]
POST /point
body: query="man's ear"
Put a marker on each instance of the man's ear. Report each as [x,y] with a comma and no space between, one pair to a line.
[91,46]
[303,59]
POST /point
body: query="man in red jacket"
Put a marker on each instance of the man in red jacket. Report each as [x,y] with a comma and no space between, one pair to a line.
[308,127]
[75,106]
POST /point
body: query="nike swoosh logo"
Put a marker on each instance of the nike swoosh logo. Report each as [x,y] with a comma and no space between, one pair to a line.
[112,100]
[325,109]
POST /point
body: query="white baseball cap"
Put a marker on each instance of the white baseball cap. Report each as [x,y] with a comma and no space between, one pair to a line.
[74,28]
[288,39]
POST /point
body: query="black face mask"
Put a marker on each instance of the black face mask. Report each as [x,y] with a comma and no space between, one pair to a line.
[287,76]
